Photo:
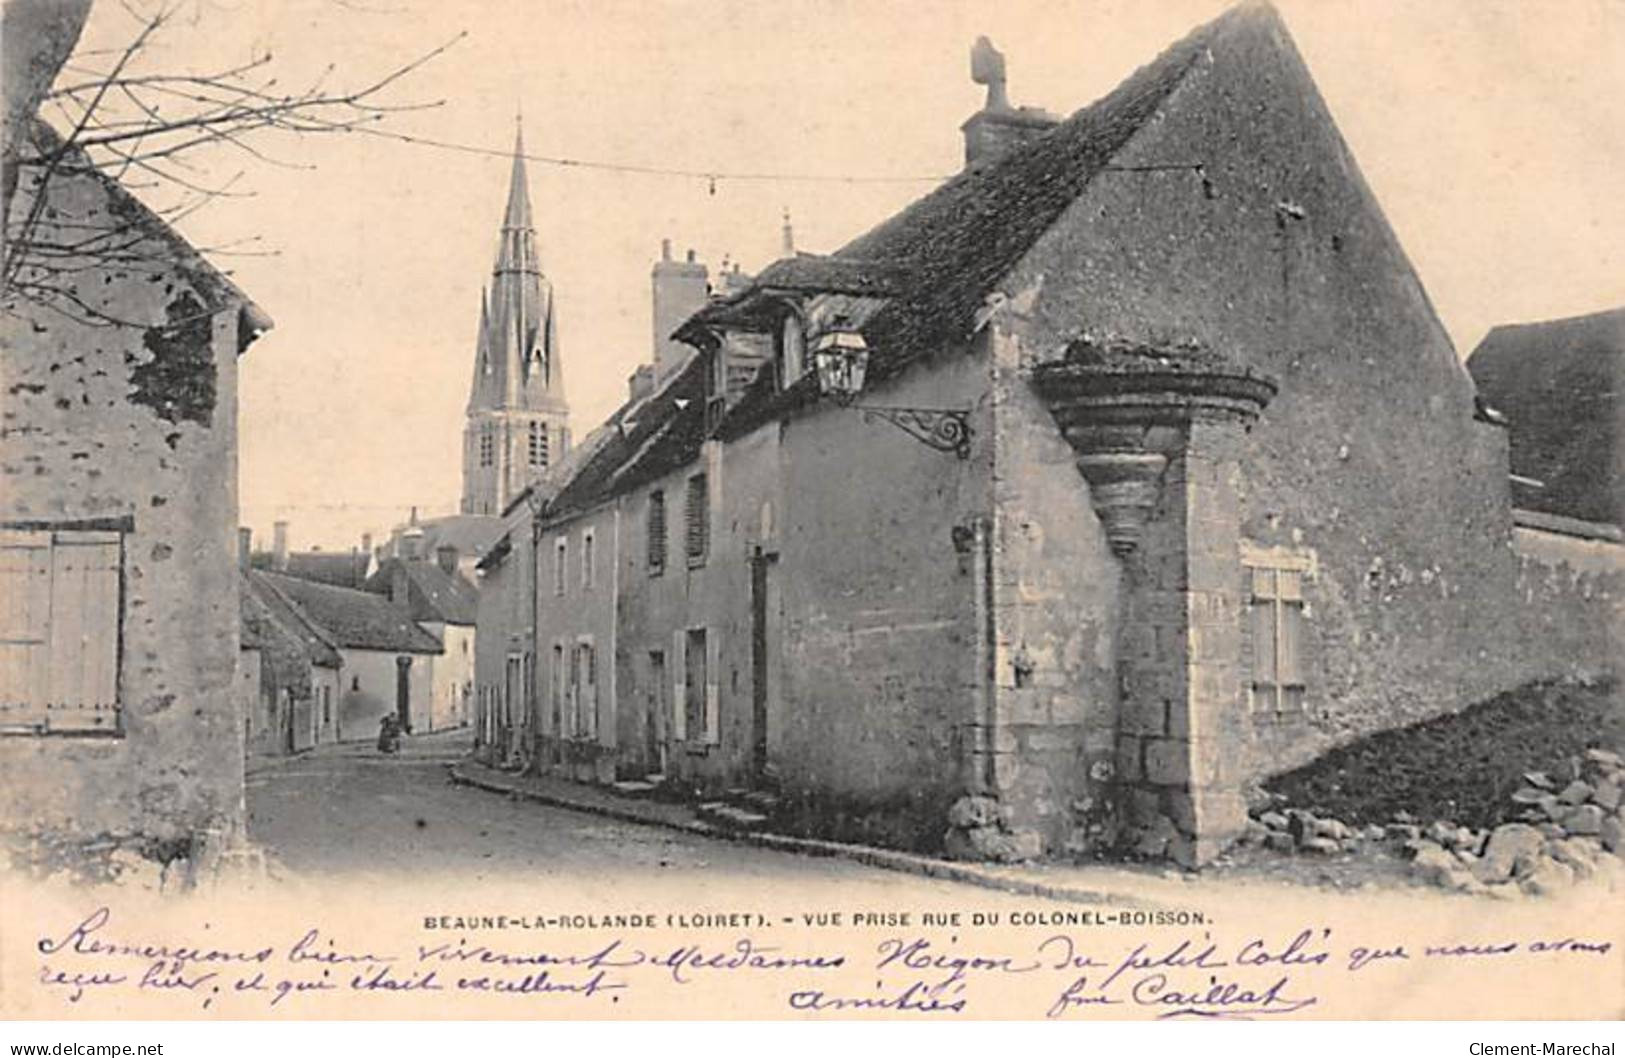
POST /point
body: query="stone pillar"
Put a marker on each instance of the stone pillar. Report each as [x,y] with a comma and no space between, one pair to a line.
[1159,435]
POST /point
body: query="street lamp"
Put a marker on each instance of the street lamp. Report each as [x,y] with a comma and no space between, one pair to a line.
[841,357]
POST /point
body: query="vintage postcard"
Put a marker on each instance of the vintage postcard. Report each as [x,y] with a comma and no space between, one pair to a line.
[1067,510]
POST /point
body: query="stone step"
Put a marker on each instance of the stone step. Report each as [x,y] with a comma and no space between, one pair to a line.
[760,801]
[633,787]
[734,818]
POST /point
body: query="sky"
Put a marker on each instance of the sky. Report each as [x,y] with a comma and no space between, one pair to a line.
[1492,132]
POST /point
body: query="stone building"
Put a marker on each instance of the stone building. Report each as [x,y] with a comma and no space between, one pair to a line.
[444,604]
[518,419]
[386,662]
[118,509]
[1127,468]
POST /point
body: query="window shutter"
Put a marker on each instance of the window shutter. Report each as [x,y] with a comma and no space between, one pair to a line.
[713,704]
[25,614]
[84,631]
[657,531]
[697,518]
[591,658]
[679,701]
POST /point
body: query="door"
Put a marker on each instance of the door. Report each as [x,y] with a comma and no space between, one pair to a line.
[655,713]
[403,692]
[760,563]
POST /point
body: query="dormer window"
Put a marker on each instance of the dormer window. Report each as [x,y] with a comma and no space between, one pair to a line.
[792,351]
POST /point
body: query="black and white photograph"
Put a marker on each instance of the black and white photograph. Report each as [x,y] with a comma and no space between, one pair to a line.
[1069,510]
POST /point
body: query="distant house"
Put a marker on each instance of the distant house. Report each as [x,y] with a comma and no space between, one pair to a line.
[118,501]
[344,569]
[1125,469]
[295,673]
[386,662]
[1558,384]
[446,605]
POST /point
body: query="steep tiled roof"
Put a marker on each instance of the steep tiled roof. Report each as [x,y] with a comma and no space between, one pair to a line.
[936,262]
[345,569]
[641,440]
[288,645]
[352,618]
[1557,383]
[944,255]
[432,593]
[470,534]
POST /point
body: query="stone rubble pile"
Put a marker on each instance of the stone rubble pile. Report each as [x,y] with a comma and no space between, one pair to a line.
[1562,832]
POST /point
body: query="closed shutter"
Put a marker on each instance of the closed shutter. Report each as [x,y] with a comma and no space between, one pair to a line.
[713,698]
[697,518]
[657,531]
[590,665]
[679,700]
[25,616]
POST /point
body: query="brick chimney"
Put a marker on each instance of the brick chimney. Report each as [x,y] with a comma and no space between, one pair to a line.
[998,127]
[245,546]
[399,586]
[279,545]
[680,289]
[366,543]
[640,383]
[446,556]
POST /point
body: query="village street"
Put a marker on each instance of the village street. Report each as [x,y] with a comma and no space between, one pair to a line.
[348,811]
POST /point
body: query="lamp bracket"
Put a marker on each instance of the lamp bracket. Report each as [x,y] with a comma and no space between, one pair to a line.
[944,429]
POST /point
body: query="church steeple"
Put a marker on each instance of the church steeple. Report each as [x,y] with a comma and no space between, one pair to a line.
[517,412]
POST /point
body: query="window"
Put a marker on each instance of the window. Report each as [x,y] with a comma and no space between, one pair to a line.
[488,446]
[560,558]
[697,520]
[586,559]
[60,601]
[657,532]
[1277,633]
[538,444]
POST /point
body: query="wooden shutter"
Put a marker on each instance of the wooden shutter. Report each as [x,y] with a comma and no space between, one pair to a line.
[25,627]
[657,531]
[697,518]
[713,698]
[679,699]
[590,663]
[84,631]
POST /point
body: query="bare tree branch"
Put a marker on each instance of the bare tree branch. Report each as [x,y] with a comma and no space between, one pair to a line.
[167,127]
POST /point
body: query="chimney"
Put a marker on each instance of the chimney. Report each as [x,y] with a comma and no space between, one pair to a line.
[998,127]
[640,383]
[399,585]
[279,545]
[679,291]
[411,543]
[446,555]
[366,543]
[245,546]
[787,237]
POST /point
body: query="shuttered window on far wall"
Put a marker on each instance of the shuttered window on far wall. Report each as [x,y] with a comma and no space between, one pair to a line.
[697,520]
[1277,634]
[657,532]
[59,630]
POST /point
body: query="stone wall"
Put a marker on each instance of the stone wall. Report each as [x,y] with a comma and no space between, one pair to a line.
[134,425]
[1056,592]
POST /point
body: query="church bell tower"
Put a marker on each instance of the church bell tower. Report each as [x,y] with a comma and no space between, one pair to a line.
[518,419]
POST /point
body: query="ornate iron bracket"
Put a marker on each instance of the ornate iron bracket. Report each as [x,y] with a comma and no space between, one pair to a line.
[945,429]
